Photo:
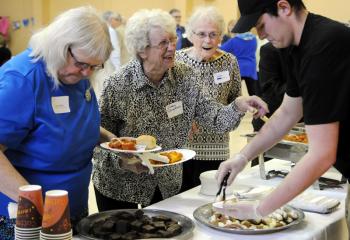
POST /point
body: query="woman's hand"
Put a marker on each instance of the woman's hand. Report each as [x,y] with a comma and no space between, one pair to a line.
[252,104]
[105,135]
[132,164]
[194,130]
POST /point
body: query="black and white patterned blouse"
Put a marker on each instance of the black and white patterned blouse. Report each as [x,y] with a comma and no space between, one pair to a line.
[208,144]
[131,106]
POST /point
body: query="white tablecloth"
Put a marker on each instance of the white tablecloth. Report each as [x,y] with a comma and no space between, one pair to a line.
[315,226]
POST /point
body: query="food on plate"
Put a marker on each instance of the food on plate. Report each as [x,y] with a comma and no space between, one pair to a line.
[279,218]
[302,137]
[137,225]
[123,143]
[173,157]
[149,141]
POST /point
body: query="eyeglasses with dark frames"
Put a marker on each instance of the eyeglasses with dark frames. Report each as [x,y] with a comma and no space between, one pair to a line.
[165,43]
[82,65]
[211,35]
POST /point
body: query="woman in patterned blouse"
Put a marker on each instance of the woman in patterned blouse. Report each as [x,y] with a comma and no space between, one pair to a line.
[154,95]
[219,76]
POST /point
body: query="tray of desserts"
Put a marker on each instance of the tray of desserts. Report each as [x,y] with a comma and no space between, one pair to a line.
[135,224]
[279,220]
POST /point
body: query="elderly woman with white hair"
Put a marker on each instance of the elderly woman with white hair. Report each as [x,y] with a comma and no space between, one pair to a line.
[154,95]
[49,117]
[219,76]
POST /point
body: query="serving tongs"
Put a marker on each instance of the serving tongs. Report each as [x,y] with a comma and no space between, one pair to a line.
[145,157]
[323,181]
[222,189]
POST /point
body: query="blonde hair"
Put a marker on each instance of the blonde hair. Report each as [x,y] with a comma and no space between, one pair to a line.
[81,28]
[140,24]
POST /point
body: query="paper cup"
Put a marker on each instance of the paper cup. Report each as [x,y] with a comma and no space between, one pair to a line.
[30,207]
[56,218]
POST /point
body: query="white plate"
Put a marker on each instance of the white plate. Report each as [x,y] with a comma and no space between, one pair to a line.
[187,154]
[139,148]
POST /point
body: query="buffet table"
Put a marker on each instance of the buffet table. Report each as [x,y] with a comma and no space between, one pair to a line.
[315,226]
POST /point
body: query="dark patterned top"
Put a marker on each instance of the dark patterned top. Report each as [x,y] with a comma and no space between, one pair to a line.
[131,105]
[208,144]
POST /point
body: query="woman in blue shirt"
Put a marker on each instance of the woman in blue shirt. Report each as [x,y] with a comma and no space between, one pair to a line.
[243,46]
[49,117]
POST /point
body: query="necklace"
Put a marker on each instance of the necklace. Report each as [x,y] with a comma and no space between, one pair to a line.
[88,94]
[215,56]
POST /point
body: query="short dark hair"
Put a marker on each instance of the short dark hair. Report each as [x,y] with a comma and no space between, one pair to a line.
[174,10]
[296,4]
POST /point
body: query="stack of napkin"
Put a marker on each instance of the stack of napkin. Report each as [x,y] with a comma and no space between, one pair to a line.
[313,203]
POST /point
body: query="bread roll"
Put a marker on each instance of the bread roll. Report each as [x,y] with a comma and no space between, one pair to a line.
[149,141]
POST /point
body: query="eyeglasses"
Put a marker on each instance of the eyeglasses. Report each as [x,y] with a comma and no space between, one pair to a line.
[165,43]
[84,66]
[211,35]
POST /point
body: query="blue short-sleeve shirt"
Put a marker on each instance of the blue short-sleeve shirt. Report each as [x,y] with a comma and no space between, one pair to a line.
[51,149]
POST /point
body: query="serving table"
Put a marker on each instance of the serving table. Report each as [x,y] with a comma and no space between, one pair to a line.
[315,226]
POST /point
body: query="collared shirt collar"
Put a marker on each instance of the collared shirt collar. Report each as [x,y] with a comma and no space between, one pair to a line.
[142,80]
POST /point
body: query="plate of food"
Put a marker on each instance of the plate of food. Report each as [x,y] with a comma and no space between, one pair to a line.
[279,220]
[175,156]
[135,224]
[296,137]
[141,144]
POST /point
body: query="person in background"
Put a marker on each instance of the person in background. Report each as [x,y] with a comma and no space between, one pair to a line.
[49,118]
[273,83]
[316,53]
[5,52]
[218,72]
[272,80]
[229,33]
[243,47]
[154,95]
[182,41]
[5,55]
[124,53]
[114,20]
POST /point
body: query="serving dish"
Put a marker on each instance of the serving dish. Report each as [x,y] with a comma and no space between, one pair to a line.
[84,226]
[203,213]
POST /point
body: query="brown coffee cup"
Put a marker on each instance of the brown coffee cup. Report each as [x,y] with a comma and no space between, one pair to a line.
[30,207]
[56,218]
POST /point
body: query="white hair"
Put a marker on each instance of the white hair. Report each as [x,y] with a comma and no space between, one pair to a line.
[140,24]
[210,14]
[80,28]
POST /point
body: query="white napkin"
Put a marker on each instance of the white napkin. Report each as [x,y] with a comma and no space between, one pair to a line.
[12,209]
[313,203]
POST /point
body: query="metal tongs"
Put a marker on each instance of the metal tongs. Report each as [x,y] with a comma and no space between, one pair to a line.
[323,181]
[222,188]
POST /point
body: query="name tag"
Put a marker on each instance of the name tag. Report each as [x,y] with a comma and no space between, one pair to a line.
[174,109]
[60,104]
[221,77]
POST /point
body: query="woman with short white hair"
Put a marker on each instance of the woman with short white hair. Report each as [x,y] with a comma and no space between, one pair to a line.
[49,118]
[153,95]
[219,77]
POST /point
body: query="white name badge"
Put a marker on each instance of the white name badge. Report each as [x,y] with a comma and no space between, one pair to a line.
[221,77]
[60,104]
[174,109]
